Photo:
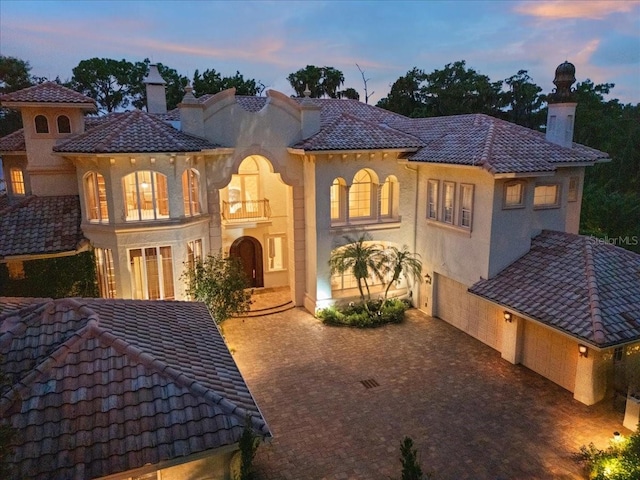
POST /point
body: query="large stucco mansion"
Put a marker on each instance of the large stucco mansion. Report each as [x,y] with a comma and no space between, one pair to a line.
[491,207]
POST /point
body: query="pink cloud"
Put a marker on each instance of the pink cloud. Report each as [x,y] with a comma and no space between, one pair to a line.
[591,9]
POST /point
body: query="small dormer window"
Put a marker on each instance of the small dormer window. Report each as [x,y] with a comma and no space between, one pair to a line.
[64,125]
[42,124]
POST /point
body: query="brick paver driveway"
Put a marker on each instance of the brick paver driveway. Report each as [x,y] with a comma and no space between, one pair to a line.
[471,414]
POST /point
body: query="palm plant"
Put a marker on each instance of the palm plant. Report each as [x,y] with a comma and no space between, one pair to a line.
[401,261]
[361,258]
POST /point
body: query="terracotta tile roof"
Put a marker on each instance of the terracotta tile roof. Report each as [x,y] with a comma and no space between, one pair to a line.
[132,132]
[350,133]
[14,142]
[47,92]
[580,285]
[37,225]
[99,387]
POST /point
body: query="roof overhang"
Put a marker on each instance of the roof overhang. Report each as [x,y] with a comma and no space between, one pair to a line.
[523,174]
[302,151]
[13,152]
[18,105]
[83,246]
[581,164]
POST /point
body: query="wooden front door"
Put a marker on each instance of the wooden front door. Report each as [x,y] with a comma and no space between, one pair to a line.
[249,251]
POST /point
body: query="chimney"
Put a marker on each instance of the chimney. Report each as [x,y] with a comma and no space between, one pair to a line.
[191,114]
[310,116]
[156,96]
[562,107]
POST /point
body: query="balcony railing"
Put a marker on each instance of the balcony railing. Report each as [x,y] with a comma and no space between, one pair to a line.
[248,210]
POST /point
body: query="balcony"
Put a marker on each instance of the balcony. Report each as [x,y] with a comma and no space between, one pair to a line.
[249,210]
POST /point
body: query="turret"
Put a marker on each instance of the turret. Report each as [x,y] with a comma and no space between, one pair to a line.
[562,107]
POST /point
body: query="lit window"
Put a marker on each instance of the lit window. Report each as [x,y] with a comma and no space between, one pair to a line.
[432,199]
[42,124]
[546,196]
[388,197]
[17,181]
[360,195]
[64,125]
[572,195]
[448,202]
[146,196]
[194,253]
[275,251]
[466,205]
[96,197]
[513,195]
[191,192]
[337,198]
[106,275]
[243,193]
[16,269]
[151,273]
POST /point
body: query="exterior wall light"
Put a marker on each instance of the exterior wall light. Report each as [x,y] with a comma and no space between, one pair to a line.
[427,279]
[583,350]
[508,317]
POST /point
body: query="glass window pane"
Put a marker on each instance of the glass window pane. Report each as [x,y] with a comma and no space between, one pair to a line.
[137,274]
[167,272]
[153,273]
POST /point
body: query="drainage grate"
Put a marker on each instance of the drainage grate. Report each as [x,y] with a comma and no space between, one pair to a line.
[369,383]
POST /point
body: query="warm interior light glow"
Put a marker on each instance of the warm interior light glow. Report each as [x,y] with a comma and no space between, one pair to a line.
[508,317]
[584,351]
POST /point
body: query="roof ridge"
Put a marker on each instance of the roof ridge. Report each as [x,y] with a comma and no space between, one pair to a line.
[599,332]
[488,147]
[382,125]
[179,377]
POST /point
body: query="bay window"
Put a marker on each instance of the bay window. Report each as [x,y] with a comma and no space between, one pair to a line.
[146,196]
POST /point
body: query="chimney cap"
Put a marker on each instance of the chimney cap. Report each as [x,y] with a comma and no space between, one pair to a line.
[565,77]
[153,77]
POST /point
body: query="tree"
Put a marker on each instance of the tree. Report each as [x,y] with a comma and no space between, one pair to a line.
[399,261]
[321,81]
[366,89]
[221,284]
[248,445]
[14,75]
[411,469]
[360,257]
[211,82]
[406,96]
[525,101]
[350,93]
[105,80]
[620,461]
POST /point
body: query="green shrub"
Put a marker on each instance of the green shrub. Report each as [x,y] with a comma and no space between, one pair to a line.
[361,315]
[620,461]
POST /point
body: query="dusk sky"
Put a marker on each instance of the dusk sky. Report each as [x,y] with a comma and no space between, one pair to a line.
[267,40]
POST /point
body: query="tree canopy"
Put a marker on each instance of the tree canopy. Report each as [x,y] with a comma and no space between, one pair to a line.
[321,82]
[15,74]
[211,81]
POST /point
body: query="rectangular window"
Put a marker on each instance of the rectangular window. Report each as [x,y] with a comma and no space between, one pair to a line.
[466,205]
[276,252]
[17,181]
[194,252]
[546,196]
[105,271]
[448,202]
[432,199]
[572,195]
[513,195]
[151,273]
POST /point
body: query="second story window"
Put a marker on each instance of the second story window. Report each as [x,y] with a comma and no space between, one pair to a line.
[546,196]
[574,183]
[389,197]
[146,196]
[42,124]
[466,205]
[337,196]
[191,192]
[513,195]
[360,195]
[448,201]
[432,199]
[64,125]
[96,197]
[17,181]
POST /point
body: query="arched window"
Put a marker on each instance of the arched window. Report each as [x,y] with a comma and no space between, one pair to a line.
[95,194]
[337,197]
[42,124]
[243,192]
[191,192]
[360,195]
[64,125]
[389,197]
[146,196]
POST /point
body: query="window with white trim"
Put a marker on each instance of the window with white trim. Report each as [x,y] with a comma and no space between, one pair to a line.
[191,192]
[432,199]
[466,205]
[276,253]
[194,252]
[17,181]
[41,124]
[337,195]
[146,196]
[151,273]
[95,193]
[448,200]
[360,195]
[546,196]
[513,195]
[106,273]
[572,194]
[64,125]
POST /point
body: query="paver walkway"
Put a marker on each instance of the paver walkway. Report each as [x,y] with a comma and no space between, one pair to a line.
[471,414]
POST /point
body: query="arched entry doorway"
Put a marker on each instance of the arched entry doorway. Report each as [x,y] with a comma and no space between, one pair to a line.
[249,251]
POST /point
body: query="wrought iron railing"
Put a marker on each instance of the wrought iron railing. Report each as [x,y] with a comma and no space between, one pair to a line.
[246,210]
